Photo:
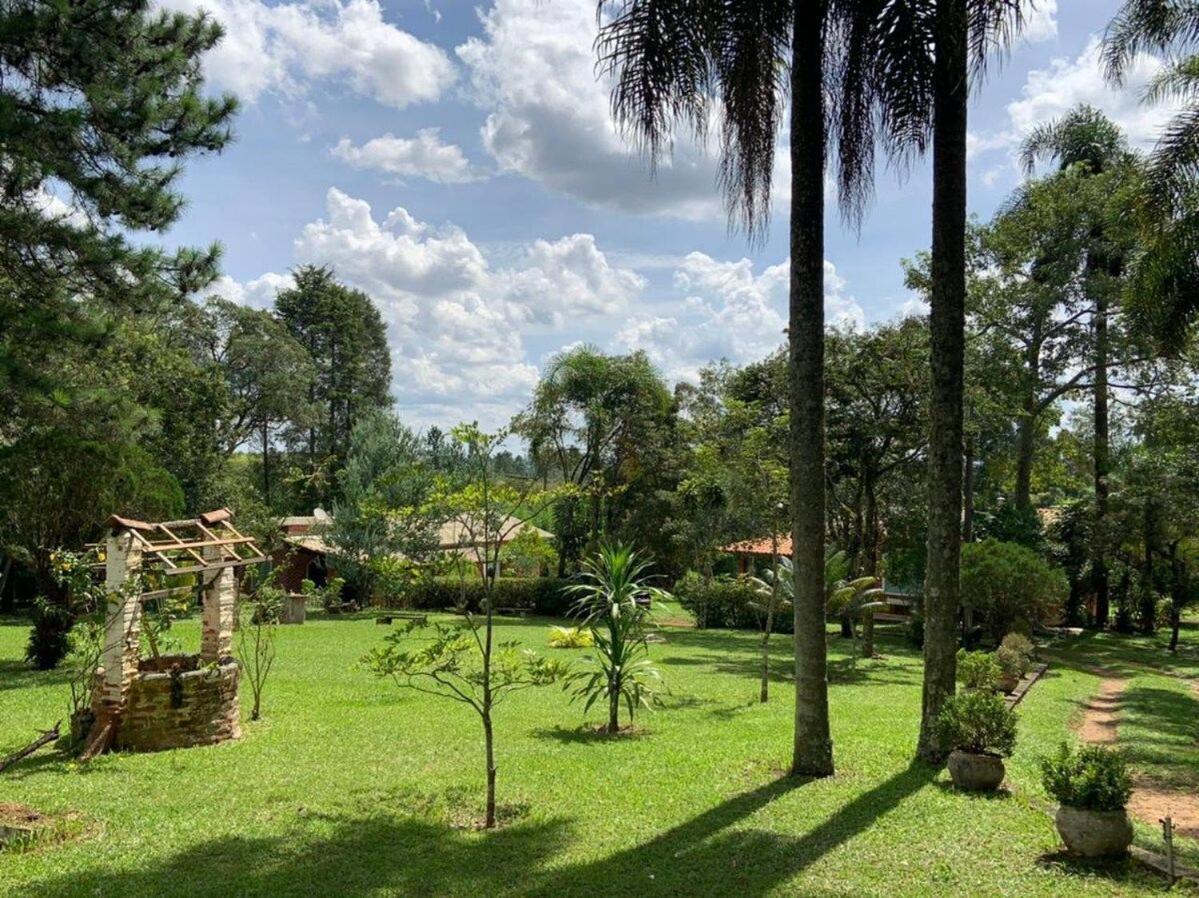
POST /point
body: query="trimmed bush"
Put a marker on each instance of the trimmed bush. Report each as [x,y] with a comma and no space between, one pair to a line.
[978,722]
[978,670]
[1011,586]
[1091,778]
[537,595]
[726,604]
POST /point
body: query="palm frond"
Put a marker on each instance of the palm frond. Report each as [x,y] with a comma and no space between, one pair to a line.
[1166,27]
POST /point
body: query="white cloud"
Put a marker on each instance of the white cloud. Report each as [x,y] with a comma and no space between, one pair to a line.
[1050,92]
[456,324]
[1040,20]
[727,311]
[422,156]
[285,47]
[534,70]
[257,294]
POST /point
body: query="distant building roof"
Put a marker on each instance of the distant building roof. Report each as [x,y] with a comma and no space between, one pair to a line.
[450,535]
[763,546]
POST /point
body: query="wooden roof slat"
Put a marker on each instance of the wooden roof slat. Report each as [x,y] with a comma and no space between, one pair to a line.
[181,544]
[116,522]
[215,517]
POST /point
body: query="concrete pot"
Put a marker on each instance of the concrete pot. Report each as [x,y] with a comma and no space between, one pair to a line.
[1094,833]
[1007,684]
[975,773]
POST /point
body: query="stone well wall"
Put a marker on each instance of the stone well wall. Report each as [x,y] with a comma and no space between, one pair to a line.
[181,709]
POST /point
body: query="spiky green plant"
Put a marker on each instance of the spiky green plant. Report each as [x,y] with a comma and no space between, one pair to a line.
[613,602]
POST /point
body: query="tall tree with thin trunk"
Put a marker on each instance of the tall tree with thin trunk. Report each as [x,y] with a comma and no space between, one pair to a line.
[926,53]
[1086,140]
[737,64]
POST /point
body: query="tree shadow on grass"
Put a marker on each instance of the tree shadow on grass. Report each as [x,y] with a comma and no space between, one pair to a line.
[20,675]
[711,855]
[332,856]
[1118,870]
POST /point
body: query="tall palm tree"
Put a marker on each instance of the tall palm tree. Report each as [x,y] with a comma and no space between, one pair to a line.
[738,62]
[1163,281]
[926,55]
[1086,138]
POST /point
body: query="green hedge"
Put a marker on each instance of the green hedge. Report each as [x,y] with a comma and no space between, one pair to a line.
[727,604]
[537,595]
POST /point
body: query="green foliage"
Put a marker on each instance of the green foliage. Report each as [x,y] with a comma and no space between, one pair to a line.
[1092,778]
[346,341]
[726,603]
[539,595]
[102,101]
[327,597]
[528,554]
[614,602]
[384,524]
[1009,583]
[1015,655]
[1012,663]
[605,425]
[451,663]
[980,722]
[977,670]
[570,638]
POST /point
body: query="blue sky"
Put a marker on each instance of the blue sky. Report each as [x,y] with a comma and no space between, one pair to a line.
[458,163]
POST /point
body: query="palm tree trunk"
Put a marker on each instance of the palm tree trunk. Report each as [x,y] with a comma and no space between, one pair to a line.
[947,339]
[813,747]
[968,492]
[1102,453]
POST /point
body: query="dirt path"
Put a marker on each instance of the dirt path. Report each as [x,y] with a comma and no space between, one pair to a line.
[1150,801]
[1101,716]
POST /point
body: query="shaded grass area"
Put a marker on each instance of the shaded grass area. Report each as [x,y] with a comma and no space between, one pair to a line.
[1158,722]
[351,787]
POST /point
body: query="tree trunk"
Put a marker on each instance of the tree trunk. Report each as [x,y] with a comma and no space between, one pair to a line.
[813,747]
[1026,437]
[947,342]
[614,708]
[266,463]
[489,741]
[7,596]
[1102,460]
[968,492]
[764,692]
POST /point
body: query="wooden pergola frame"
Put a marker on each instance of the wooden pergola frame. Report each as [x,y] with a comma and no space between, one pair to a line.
[174,554]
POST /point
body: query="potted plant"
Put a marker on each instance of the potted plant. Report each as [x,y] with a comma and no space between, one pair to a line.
[980,729]
[977,670]
[1092,786]
[1012,666]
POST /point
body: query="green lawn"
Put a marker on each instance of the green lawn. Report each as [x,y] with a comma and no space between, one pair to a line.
[350,787]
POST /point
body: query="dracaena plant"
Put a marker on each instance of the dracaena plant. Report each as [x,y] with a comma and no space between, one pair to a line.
[613,601]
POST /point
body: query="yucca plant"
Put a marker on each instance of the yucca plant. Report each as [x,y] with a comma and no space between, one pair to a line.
[613,602]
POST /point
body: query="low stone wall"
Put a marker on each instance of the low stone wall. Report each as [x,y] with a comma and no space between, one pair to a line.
[181,709]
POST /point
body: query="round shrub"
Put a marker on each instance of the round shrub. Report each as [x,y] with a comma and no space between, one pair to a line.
[1091,778]
[1011,586]
[978,670]
[978,722]
[725,604]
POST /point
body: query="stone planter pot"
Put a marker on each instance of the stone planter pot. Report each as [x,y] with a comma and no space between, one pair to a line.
[1007,684]
[1094,833]
[975,773]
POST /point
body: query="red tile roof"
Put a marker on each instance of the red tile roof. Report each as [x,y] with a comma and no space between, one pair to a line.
[762,546]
